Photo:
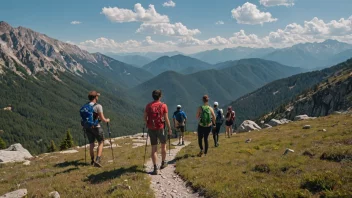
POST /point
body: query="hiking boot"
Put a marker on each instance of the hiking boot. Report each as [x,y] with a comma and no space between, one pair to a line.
[200,154]
[163,165]
[97,164]
[179,144]
[183,143]
[155,171]
[92,162]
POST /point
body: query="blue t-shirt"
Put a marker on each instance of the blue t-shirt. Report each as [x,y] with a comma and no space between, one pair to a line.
[179,116]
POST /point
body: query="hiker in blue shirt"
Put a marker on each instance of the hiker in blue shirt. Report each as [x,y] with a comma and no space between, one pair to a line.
[180,119]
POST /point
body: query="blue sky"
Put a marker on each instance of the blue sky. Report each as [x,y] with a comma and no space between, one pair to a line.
[253,23]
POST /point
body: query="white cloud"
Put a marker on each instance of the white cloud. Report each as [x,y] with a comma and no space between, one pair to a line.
[75,22]
[167,29]
[139,14]
[249,14]
[219,23]
[169,3]
[269,3]
[314,30]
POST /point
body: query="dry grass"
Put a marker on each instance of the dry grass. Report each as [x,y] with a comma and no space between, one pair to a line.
[71,177]
[320,166]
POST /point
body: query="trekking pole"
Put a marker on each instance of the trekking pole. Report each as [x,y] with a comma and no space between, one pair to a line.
[143,132]
[85,146]
[112,151]
[145,150]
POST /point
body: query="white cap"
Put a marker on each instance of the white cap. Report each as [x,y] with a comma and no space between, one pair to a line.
[216,103]
[178,106]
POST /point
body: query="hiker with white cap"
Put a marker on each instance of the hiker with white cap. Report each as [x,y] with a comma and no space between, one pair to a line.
[180,119]
[219,121]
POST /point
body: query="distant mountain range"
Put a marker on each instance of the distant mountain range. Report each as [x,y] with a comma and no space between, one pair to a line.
[135,60]
[221,85]
[307,55]
[179,63]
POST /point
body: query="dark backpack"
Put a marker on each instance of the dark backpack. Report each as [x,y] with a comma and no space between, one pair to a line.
[155,117]
[219,116]
[87,116]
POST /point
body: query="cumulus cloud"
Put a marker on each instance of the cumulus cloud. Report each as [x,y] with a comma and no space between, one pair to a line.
[219,23]
[169,3]
[249,14]
[270,3]
[75,22]
[167,29]
[139,14]
[314,30]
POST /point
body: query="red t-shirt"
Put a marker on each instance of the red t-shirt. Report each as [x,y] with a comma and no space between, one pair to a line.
[163,110]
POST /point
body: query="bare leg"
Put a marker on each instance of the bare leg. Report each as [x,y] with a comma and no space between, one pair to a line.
[163,152]
[154,153]
[100,148]
[91,149]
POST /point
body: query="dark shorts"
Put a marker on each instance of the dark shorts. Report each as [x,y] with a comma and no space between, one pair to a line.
[180,129]
[229,123]
[154,135]
[95,134]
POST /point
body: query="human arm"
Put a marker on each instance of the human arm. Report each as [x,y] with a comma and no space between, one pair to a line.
[198,112]
[213,117]
[99,110]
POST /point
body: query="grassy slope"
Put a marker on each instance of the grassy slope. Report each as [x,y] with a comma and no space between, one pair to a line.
[67,174]
[228,171]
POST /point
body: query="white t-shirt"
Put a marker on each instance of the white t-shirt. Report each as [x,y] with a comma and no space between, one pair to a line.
[97,109]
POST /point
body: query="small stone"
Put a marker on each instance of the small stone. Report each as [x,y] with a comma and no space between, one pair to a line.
[125,180]
[324,130]
[129,187]
[54,194]
[27,163]
[307,127]
[288,150]
[163,177]
[248,140]
[174,191]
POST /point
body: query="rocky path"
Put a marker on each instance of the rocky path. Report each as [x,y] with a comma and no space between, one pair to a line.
[168,183]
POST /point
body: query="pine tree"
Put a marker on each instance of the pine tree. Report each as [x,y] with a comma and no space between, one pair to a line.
[52,147]
[67,142]
[2,144]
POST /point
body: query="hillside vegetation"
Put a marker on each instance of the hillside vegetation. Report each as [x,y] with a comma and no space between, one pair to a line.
[273,95]
[320,166]
[45,108]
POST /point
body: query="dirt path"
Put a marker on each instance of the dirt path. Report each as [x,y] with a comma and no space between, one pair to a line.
[168,183]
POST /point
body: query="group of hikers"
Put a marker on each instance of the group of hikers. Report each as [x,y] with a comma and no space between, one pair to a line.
[156,119]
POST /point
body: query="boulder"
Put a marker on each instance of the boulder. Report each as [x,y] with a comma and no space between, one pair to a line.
[267,126]
[15,194]
[68,151]
[307,127]
[274,122]
[54,194]
[15,153]
[106,143]
[247,126]
[285,121]
[302,117]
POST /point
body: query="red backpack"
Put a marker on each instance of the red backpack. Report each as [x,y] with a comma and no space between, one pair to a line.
[155,116]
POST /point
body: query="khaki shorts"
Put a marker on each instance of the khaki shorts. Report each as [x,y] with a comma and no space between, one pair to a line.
[180,130]
[154,135]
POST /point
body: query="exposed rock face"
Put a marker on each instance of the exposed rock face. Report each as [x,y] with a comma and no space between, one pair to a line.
[26,51]
[15,194]
[302,117]
[247,126]
[15,153]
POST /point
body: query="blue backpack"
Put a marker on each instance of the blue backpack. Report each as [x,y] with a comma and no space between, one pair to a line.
[180,117]
[87,115]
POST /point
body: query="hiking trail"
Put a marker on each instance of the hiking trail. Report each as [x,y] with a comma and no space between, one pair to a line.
[167,183]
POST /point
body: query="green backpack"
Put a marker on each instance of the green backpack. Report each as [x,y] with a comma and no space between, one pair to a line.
[205,116]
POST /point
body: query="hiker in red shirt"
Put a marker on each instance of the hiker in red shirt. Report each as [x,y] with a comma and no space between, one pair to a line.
[155,116]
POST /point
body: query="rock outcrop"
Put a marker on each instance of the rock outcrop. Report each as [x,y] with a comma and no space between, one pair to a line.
[15,194]
[15,153]
[247,126]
